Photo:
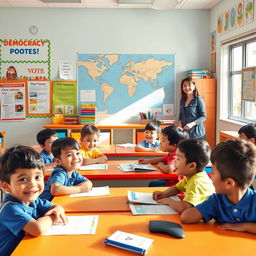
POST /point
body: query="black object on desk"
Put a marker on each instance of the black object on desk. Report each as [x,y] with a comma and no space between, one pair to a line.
[166,227]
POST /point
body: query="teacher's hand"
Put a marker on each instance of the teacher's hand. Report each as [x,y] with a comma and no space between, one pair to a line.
[189,126]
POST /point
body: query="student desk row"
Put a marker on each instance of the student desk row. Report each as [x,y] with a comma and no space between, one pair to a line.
[114,173]
[200,239]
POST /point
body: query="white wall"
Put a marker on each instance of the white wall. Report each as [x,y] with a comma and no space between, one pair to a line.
[183,32]
[223,123]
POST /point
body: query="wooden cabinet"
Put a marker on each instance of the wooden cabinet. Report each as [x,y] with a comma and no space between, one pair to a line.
[2,142]
[207,90]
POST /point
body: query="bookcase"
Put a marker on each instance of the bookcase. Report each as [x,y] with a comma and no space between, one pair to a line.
[207,90]
[2,141]
[111,134]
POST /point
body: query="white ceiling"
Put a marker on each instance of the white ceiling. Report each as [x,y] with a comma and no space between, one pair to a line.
[152,4]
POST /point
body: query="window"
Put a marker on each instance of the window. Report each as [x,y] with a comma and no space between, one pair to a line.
[240,55]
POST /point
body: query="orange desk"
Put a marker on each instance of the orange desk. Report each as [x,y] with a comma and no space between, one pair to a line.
[114,173]
[115,202]
[200,239]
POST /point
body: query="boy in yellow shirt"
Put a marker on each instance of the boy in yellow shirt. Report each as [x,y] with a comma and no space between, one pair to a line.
[89,139]
[192,155]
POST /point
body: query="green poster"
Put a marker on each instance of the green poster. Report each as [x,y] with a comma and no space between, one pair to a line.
[64,100]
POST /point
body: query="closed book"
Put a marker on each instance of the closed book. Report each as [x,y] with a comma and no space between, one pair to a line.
[129,242]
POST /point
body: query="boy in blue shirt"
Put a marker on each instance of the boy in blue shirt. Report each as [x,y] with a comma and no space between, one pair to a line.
[234,204]
[22,211]
[192,155]
[45,138]
[248,132]
[64,179]
[150,142]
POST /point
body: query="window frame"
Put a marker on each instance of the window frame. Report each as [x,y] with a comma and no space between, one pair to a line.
[231,73]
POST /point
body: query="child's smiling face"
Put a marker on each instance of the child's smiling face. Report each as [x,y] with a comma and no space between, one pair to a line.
[150,136]
[70,159]
[25,185]
[90,141]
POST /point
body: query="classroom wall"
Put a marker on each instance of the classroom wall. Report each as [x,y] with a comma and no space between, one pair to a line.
[222,122]
[183,32]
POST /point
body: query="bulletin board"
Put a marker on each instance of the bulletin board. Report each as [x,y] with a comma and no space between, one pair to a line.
[126,84]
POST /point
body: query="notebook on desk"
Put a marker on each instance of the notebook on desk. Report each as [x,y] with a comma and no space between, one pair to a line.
[133,167]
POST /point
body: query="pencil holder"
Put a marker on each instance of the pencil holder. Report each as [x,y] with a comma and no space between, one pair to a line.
[147,121]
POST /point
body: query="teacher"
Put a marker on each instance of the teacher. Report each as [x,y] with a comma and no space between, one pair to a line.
[192,110]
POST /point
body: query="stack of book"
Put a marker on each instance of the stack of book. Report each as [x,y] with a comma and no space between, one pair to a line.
[198,73]
[71,120]
[88,114]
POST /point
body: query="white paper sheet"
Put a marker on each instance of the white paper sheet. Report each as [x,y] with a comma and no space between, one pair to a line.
[96,191]
[145,198]
[77,225]
[88,95]
[147,209]
[94,167]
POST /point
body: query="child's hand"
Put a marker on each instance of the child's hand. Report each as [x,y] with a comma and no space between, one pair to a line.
[85,186]
[58,214]
[143,161]
[102,160]
[158,195]
[233,226]
[156,149]
[160,164]
[164,200]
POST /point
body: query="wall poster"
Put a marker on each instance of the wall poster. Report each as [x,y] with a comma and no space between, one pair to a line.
[13,105]
[39,96]
[22,59]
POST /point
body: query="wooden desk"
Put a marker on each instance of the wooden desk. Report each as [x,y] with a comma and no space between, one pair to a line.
[225,135]
[115,202]
[114,173]
[200,239]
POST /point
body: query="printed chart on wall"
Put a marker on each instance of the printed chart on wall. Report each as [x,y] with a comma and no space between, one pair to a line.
[39,95]
[12,101]
[64,98]
[122,85]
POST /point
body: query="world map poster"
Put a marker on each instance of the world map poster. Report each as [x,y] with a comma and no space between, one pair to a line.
[126,82]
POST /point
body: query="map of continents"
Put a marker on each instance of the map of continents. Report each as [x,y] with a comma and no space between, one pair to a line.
[120,80]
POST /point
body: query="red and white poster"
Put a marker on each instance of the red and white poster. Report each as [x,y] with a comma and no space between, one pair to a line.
[13,105]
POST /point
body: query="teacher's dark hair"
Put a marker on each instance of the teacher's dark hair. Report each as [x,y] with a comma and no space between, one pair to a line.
[188,79]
